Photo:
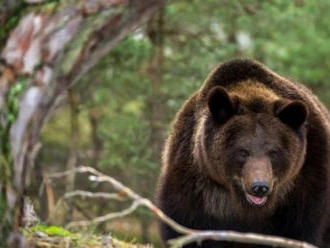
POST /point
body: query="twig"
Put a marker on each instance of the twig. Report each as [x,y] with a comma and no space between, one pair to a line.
[88,194]
[125,191]
[106,217]
[189,235]
[82,210]
[103,195]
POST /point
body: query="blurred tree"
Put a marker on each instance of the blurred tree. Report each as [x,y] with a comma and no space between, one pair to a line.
[72,161]
[155,106]
[53,44]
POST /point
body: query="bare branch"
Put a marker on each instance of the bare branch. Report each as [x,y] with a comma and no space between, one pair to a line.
[82,193]
[100,43]
[247,238]
[189,235]
[107,217]
[103,195]
[125,191]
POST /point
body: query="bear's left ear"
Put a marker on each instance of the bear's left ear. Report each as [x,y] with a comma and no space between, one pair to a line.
[293,114]
[221,106]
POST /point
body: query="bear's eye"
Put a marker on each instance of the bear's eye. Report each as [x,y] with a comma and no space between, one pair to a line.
[242,154]
[273,154]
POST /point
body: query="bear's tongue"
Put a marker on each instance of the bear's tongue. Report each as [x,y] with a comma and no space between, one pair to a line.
[257,200]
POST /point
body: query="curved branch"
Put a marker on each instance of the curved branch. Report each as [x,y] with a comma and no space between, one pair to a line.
[246,238]
[87,194]
[189,235]
[106,217]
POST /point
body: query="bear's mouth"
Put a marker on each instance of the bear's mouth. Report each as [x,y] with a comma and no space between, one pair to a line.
[256,200]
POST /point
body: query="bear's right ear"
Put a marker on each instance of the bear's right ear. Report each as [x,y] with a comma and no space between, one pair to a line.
[220,104]
[293,113]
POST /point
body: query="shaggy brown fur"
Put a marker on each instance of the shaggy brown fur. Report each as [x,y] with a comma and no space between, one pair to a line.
[247,123]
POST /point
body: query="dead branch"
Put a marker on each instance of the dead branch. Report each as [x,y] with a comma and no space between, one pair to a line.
[123,190]
[189,235]
[107,217]
[87,194]
[247,238]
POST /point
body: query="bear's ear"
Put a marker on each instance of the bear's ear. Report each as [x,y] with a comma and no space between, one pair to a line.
[221,106]
[292,113]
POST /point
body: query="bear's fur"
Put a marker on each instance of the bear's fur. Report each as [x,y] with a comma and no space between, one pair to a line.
[245,124]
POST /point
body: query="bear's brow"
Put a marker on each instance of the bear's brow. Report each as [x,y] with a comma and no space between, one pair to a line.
[257,105]
[231,134]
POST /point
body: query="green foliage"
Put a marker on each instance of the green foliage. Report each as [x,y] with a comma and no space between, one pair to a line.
[5,230]
[10,112]
[12,21]
[56,236]
[53,231]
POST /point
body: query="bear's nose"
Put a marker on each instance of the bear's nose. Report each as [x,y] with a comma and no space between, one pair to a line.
[259,188]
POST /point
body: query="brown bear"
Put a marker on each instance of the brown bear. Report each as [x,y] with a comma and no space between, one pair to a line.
[249,152]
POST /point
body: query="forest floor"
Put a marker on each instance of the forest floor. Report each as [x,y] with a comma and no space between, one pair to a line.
[41,236]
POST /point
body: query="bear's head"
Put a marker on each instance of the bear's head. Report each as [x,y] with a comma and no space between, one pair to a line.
[252,147]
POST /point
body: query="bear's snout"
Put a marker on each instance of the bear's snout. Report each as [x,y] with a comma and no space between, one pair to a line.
[257,180]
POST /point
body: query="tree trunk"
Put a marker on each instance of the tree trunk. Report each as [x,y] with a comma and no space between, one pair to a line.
[52,46]
[74,146]
[155,31]
[96,140]
[145,224]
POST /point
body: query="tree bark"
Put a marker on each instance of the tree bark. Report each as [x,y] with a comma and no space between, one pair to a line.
[155,32]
